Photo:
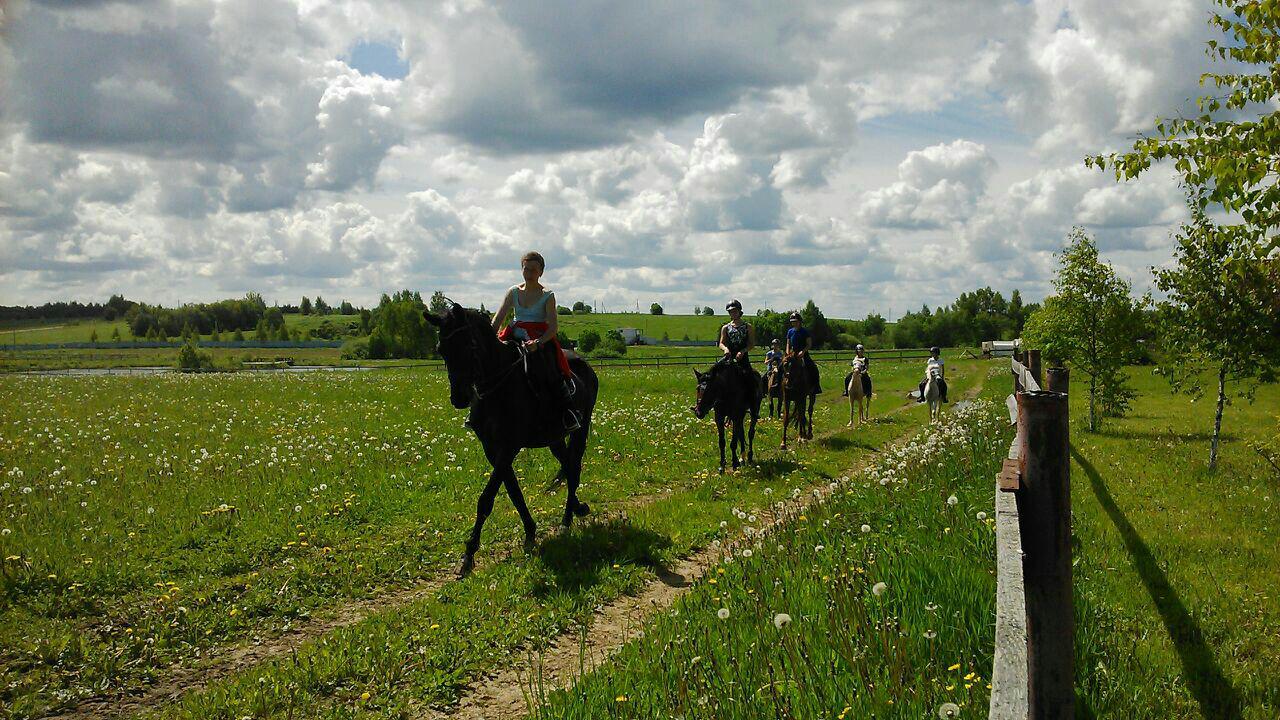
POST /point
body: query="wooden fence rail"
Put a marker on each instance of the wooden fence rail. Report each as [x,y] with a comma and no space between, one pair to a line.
[1033,671]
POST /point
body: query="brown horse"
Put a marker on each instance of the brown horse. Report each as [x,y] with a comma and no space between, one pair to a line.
[799,394]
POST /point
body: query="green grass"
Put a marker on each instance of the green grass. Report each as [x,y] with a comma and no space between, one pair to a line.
[697,327]
[336,487]
[846,650]
[1178,611]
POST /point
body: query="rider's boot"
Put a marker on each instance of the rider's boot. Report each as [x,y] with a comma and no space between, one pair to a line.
[921,397]
[845,391]
[570,417]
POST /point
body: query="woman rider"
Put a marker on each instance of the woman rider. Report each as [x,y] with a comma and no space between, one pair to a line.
[935,360]
[800,342]
[737,337]
[860,356]
[535,324]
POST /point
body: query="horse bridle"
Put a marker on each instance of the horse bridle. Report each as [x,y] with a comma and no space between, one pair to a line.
[478,386]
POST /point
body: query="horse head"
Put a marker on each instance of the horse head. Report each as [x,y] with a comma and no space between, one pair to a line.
[708,392]
[461,334]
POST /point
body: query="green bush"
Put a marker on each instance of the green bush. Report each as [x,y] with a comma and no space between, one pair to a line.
[611,345]
[190,358]
[588,341]
[357,349]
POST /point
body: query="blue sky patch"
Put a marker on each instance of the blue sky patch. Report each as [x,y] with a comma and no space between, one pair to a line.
[375,58]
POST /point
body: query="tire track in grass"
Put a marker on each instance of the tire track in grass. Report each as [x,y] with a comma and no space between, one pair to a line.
[510,692]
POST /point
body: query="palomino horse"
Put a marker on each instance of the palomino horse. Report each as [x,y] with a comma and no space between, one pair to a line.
[509,413]
[933,393]
[858,400]
[732,391]
[799,393]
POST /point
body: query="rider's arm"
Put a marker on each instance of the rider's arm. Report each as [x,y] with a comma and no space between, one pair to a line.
[808,343]
[751,337]
[553,320]
[724,341]
[503,311]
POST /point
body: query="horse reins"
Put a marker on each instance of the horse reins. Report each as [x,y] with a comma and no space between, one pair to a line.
[481,394]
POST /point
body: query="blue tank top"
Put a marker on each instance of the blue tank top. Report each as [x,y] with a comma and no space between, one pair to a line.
[537,312]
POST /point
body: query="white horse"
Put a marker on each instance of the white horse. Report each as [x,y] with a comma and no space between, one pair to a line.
[858,401]
[933,393]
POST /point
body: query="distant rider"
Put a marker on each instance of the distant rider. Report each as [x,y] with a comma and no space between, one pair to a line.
[859,356]
[935,361]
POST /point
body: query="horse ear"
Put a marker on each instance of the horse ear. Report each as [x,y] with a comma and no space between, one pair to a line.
[697,374]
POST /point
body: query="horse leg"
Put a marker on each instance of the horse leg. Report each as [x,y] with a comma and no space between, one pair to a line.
[751,437]
[512,485]
[561,454]
[573,474]
[720,429]
[735,430]
[484,507]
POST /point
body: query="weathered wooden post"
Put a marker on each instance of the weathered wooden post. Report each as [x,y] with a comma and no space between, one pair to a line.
[1058,379]
[1033,364]
[1044,514]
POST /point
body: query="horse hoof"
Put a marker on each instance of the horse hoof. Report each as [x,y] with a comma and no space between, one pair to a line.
[581,509]
[468,564]
[530,542]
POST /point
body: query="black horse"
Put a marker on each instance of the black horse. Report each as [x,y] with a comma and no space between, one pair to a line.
[799,394]
[732,391]
[511,410]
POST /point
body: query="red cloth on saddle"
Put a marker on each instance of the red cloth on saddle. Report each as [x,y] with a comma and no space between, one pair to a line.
[537,330]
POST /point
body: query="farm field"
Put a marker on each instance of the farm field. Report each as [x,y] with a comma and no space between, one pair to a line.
[159,523]
[1178,612]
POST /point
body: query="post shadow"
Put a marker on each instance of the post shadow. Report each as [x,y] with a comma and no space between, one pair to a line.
[1218,699]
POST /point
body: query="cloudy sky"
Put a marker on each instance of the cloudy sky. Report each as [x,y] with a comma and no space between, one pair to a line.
[871,155]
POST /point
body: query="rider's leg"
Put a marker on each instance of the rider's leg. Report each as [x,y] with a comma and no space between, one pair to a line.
[943,385]
[845,387]
[921,398]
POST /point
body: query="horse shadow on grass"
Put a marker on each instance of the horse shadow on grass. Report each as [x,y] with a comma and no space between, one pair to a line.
[773,468]
[1218,699]
[841,442]
[576,558]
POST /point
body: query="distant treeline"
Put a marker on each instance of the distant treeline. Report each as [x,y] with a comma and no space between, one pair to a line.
[114,308]
[974,317]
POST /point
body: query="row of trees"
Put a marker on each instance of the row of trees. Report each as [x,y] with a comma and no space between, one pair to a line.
[114,308]
[973,318]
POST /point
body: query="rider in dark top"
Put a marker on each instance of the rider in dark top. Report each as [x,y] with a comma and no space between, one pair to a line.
[800,342]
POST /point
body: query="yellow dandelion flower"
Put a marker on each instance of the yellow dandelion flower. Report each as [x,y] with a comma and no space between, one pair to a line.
[954,667]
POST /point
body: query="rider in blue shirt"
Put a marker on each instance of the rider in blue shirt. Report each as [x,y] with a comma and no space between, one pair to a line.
[800,342]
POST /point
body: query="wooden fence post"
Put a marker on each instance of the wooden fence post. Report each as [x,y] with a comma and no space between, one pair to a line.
[1058,379]
[1044,514]
[1033,364]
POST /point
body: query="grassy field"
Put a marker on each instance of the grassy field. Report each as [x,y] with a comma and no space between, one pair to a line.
[1178,610]
[697,327]
[877,602]
[150,521]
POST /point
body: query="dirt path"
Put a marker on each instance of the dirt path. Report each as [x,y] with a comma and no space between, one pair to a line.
[616,624]
[507,693]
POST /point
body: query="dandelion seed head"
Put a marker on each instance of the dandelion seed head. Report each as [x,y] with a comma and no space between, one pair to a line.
[723,613]
[781,620]
[879,589]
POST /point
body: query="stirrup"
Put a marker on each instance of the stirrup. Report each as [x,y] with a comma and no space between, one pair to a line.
[571,420]
[568,388]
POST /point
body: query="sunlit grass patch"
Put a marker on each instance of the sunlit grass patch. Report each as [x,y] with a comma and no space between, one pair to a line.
[877,601]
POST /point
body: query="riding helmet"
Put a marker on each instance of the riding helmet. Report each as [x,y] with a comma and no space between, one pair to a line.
[733,305]
[795,316]
[935,350]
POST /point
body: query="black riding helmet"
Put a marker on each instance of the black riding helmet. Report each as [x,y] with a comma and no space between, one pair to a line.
[795,317]
[935,350]
[734,305]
